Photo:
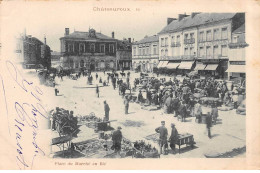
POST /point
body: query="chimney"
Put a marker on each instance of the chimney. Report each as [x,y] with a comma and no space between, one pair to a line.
[169,20]
[113,34]
[181,16]
[67,31]
[45,40]
[194,14]
[129,40]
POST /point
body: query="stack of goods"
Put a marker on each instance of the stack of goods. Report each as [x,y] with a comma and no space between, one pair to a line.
[144,150]
[91,147]
[89,120]
[64,122]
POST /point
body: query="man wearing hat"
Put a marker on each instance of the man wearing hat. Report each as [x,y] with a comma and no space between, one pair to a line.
[174,137]
[117,138]
[162,130]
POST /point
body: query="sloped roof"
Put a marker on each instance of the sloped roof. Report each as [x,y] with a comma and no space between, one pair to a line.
[154,38]
[240,29]
[199,19]
[85,35]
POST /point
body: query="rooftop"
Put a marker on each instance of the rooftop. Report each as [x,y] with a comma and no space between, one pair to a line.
[85,35]
[240,29]
[154,38]
[199,19]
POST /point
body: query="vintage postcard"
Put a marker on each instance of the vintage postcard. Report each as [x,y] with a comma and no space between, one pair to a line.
[129,84]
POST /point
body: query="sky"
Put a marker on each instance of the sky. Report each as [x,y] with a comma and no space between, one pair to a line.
[51,19]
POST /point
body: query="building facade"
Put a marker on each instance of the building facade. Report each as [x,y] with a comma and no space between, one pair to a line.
[145,53]
[237,54]
[33,53]
[198,42]
[88,50]
[124,54]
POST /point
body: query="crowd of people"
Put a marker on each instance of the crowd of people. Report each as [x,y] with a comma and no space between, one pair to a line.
[183,99]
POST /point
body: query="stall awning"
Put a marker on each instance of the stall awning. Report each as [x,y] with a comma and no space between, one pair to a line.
[172,65]
[160,64]
[200,66]
[164,64]
[185,65]
[237,68]
[211,67]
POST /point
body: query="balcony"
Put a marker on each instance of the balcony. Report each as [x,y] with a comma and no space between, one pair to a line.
[188,57]
[176,44]
[189,41]
[237,45]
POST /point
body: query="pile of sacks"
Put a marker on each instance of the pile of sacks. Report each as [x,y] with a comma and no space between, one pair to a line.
[242,108]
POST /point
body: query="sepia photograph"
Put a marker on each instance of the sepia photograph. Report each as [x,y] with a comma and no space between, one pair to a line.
[86,83]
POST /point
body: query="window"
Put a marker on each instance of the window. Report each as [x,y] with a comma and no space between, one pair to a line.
[202,51]
[191,51]
[224,33]
[154,50]
[186,51]
[162,52]
[147,51]
[102,48]
[172,41]
[186,36]
[215,51]
[102,64]
[92,48]
[224,50]
[235,38]
[191,35]
[70,48]
[201,36]
[143,51]
[111,48]
[209,35]
[140,51]
[134,51]
[162,42]
[208,52]
[166,41]
[166,52]
[81,48]
[216,34]
[178,39]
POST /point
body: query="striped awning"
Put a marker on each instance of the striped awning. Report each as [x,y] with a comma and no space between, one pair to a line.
[186,65]
[237,68]
[172,65]
[200,66]
[211,67]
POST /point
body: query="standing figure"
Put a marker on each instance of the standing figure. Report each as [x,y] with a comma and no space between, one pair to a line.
[97,91]
[198,111]
[162,130]
[209,123]
[117,138]
[214,113]
[126,103]
[107,109]
[174,137]
[96,76]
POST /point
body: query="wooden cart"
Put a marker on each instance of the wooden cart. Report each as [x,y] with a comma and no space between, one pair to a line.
[187,139]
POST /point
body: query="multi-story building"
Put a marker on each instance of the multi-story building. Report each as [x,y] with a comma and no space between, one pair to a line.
[88,50]
[198,41]
[124,54]
[145,53]
[236,53]
[33,53]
